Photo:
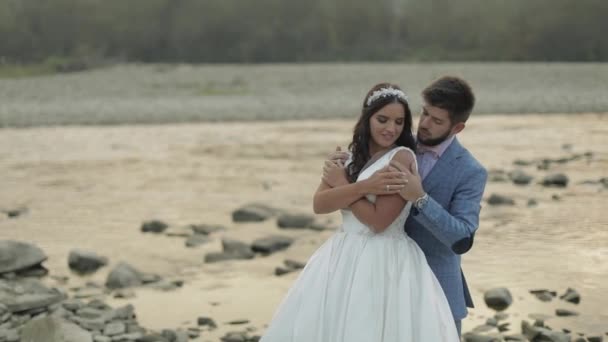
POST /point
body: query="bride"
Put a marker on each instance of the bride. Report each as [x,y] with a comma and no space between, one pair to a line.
[369,282]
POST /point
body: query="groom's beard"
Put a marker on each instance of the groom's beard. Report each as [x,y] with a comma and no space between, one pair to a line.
[433,141]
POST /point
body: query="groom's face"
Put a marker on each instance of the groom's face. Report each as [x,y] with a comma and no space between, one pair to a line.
[434,126]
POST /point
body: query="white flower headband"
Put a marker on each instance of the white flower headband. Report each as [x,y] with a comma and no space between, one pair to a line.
[383,92]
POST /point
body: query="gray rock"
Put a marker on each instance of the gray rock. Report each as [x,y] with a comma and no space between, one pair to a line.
[206,229]
[521,162]
[31,300]
[90,324]
[16,212]
[232,246]
[519,177]
[85,262]
[516,338]
[544,295]
[123,313]
[17,255]
[503,327]
[496,199]
[154,226]
[553,336]
[53,329]
[253,213]
[148,278]
[124,275]
[196,240]
[571,296]
[299,221]
[492,322]
[221,256]
[232,250]
[530,331]
[206,321]
[532,202]
[294,264]
[11,335]
[496,175]
[279,271]
[476,337]
[114,328]
[564,312]
[235,337]
[597,338]
[170,335]
[101,338]
[271,244]
[72,304]
[556,180]
[88,312]
[152,338]
[136,336]
[498,299]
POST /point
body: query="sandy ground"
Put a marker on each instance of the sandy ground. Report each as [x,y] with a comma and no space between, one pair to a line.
[92,187]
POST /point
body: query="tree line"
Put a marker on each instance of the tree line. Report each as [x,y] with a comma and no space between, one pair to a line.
[260,31]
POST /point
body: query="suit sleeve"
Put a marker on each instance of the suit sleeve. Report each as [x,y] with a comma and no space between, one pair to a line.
[456,226]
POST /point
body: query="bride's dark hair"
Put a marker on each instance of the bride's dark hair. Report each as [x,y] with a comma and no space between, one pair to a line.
[359,147]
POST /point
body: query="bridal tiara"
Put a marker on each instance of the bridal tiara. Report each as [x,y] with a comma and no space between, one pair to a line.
[383,92]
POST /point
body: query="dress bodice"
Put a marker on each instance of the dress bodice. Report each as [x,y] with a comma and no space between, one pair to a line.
[350,223]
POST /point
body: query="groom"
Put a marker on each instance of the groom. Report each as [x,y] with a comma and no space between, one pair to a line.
[445,191]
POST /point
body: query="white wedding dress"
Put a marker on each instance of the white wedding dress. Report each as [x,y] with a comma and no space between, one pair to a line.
[360,286]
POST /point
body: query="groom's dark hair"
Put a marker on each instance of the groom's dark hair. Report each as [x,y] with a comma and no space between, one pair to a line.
[452,94]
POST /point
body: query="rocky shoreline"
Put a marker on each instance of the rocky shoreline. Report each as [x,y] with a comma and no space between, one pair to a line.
[29,305]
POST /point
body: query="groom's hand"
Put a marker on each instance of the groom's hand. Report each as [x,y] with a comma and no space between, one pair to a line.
[414,189]
[384,182]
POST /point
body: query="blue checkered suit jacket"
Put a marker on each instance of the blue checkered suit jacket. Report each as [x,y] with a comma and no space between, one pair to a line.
[445,227]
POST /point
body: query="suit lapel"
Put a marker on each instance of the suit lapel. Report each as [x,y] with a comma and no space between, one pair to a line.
[441,168]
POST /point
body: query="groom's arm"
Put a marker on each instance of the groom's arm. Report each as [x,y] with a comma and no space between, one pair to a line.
[456,226]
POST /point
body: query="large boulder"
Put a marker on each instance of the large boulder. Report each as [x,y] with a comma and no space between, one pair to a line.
[17,255]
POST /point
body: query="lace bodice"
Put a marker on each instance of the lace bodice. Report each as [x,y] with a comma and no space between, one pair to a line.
[350,223]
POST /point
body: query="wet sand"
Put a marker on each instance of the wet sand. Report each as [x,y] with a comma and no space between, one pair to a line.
[92,187]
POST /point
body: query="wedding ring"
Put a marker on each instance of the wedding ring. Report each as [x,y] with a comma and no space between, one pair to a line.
[387,189]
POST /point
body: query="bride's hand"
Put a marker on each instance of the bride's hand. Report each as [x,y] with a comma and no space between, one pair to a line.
[338,156]
[334,174]
[386,181]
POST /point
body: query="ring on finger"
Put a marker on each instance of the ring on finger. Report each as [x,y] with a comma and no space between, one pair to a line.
[387,187]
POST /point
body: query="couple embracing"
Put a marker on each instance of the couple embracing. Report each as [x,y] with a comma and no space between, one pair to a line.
[410,208]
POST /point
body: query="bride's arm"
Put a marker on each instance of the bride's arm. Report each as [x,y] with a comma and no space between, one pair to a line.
[384,211]
[328,199]
[335,191]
